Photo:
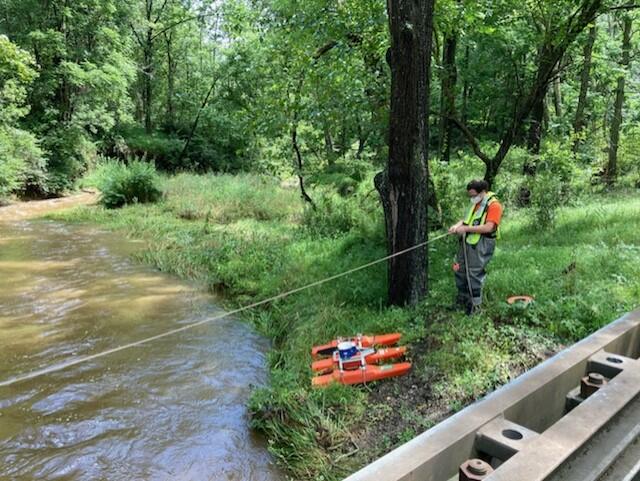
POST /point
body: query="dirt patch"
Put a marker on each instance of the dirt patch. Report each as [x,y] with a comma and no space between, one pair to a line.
[404,407]
[401,408]
[37,208]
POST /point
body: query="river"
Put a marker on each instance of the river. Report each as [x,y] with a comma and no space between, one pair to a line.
[172,409]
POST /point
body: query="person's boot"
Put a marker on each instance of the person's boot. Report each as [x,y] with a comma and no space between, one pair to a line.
[473,309]
[460,304]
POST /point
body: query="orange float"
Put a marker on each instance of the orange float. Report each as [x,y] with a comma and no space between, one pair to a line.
[360,341]
[363,374]
[524,299]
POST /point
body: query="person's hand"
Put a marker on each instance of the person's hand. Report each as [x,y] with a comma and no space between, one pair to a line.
[458,229]
[454,228]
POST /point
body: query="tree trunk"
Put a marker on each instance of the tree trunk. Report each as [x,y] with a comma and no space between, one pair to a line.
[147,74]
[63,89]
[343,142]
[557,97]
[448,94]
[585,80]
[403,186]
[171,69]
[535,128]
[546,118]
[362,140]
[148,67]
[296,150]
[536,119]
[611,171]
[328,145]
[467,88]
[534,138]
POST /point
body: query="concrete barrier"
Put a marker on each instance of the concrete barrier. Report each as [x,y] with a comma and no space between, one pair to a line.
[534,426]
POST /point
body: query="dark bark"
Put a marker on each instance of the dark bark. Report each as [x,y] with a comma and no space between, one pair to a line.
[171,70]
[196,120]
[295,106]
[147,69]
[147,74]
[537,121]
[534,136]
[343,143]
[557,96]
[467,88]
[611,172]
[296,150]
[605,119]
[362,140]
[448,94]
[63,89]
[435,43]
[146,43]
[328,145]
[585,81]
[403,186]
[546,118]
[294,134]
[472,140]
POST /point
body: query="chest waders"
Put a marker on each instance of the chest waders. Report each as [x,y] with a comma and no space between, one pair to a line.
[475,253]
[466,264]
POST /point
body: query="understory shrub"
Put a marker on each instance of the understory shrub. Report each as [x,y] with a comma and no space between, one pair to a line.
[450,181]
[554,184]
[121,184]
[547,195]
[71,154]
[336,215]
[217,151]
[22,163]
[158,147]
[629,158]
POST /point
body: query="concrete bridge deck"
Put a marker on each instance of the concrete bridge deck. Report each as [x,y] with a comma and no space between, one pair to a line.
[575,417]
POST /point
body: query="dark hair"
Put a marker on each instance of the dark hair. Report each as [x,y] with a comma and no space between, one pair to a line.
[479,185]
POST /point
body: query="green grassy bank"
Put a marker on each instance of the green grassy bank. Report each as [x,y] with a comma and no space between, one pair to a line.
[248,238]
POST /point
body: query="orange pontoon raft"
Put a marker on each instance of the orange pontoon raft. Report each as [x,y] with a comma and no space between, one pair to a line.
[352,360]
[371,356]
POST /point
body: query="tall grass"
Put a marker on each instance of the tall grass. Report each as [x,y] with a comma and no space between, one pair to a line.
[228,198]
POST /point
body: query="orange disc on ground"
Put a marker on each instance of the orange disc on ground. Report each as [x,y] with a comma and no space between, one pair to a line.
[523,299]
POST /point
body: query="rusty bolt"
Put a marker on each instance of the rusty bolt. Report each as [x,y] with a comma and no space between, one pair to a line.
[591,383]
[474,470]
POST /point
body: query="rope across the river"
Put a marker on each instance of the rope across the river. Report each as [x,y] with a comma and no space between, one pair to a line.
[91,357]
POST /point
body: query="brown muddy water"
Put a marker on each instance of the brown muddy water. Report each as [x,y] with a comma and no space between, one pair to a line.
[173,409]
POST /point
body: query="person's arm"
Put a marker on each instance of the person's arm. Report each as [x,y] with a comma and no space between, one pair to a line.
[487,228]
